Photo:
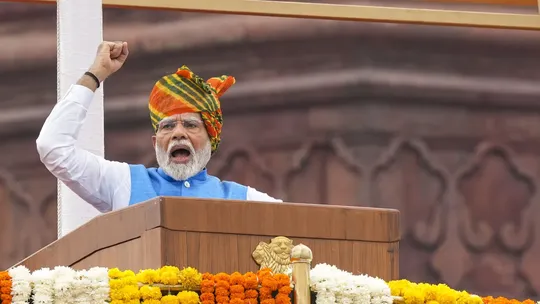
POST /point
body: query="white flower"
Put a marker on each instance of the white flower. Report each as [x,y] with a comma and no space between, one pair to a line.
[333,285]
[325,297]
[99,278]
[21,288]
[43,283]
[64,284]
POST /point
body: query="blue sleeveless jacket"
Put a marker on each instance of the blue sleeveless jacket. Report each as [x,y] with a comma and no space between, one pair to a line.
[148,183]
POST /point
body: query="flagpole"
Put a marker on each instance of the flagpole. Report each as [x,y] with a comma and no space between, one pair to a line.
[79,32]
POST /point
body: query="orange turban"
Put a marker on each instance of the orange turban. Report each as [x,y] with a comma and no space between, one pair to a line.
[185,92]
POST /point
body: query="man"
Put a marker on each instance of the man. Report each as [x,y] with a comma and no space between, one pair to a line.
[186,116]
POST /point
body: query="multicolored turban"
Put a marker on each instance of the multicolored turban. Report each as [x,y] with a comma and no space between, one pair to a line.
[185,92]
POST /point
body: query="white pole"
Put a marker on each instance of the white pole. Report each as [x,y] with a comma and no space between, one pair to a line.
[79,32]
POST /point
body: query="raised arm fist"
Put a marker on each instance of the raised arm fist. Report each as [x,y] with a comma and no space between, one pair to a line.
[109,59]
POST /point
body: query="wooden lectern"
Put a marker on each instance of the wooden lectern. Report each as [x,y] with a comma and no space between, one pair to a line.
[220,236]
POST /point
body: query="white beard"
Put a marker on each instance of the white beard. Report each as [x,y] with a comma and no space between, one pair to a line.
[196,164]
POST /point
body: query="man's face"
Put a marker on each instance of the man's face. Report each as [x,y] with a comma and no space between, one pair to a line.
[182,145]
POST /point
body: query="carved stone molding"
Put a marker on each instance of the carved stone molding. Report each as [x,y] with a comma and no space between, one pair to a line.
[494,177]
[322,165]
[487,231]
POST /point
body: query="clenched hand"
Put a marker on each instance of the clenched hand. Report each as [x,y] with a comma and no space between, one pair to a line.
[109,59]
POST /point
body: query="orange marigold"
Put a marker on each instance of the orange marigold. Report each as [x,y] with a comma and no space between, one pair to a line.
[503,300]
[221,277]
[250,280]
[5,287]
[265,293]
[237,279]
[252,294]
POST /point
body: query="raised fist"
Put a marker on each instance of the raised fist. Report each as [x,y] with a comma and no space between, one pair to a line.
[109,59]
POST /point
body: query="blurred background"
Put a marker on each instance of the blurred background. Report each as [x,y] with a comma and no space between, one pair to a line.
[442,123]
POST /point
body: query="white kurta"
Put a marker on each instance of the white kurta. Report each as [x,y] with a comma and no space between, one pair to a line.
[104,184]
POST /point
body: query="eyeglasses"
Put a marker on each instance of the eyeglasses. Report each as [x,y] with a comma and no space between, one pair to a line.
[190,125]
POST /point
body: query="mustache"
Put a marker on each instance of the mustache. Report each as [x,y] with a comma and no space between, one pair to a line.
[183,142]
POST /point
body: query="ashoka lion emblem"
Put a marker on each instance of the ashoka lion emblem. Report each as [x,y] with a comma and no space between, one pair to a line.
[276,255]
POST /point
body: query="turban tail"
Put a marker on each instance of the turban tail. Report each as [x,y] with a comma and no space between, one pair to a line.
[185,92]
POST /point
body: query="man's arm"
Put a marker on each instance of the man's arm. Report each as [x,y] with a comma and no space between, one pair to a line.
[104,184]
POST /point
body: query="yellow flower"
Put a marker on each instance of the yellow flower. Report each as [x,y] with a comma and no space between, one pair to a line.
[466,298]
[169,269]
[420,293]
[429,291]
[190,278]
[413,296]
[463,298]
[188,297]
[116,295]
[130,280]
[474,299]
[151,301]
[148,276]
[150,292]
[170,299]
[168,278]
[116,284]
[130,292]
[169,275]
[446,295]
[397,287]
[115,273]
[129,273]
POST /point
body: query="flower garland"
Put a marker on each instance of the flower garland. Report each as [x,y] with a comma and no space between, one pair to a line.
[190,278]
[269,284]
[92,285]
[237,288]
[63,283]
[169,275]
[5,287]
[188,297]
[333,285]
[284,289]
[183,297]
[250,288]
[207,289]
[222,288]
[150,294]
[123,287]
[502,300]
[21,288]
[148,276]
[424,293]
[43,281]
[59,285]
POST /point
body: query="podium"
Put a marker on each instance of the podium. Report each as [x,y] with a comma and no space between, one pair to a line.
[222,235]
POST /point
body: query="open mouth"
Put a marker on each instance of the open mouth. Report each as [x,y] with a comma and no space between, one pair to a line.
[180,154]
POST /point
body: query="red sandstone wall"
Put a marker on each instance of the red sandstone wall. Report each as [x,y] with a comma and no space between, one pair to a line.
[439,123]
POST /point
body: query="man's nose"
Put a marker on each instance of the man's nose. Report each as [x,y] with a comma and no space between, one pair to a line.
[179,132]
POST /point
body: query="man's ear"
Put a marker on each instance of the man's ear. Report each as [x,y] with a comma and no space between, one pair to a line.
[154,141]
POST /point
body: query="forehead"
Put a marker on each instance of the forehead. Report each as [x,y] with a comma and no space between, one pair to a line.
[184,116]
